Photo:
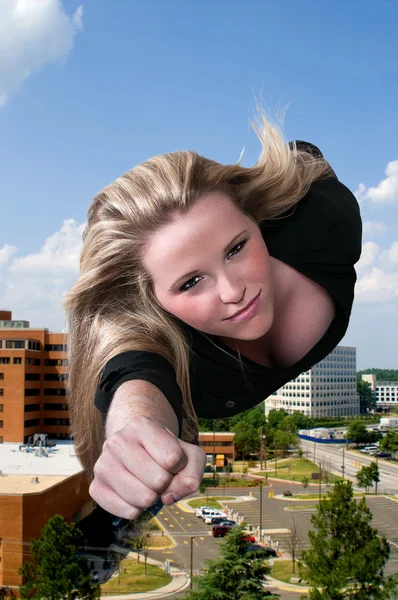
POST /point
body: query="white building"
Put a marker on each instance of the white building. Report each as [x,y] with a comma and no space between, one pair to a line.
[386,392]
[328,389]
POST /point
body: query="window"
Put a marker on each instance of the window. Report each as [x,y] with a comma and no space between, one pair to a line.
[55,377]
[56,362]
[56,422]
[31,422]
[32,376]
[4,360]
[1,375]
[32,392]
[55,392]
[1,407]
[55,406]
[33,345]
[1,424]
[56,348]
[17,360]
[32,407]
[32,361]
[1,392]
[13,344]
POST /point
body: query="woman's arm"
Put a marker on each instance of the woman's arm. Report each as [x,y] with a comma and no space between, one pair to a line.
[142,457]
[139,398]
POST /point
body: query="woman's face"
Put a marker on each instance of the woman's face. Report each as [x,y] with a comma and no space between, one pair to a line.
[208,264]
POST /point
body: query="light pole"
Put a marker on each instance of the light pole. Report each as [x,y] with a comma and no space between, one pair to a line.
[261,512]
[263,446]
[343,466]
[320,480]
[192,537]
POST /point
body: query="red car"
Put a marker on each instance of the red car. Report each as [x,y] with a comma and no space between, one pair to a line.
[222,530]
[249,538]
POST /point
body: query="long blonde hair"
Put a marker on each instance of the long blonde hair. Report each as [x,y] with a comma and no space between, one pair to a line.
[111,307]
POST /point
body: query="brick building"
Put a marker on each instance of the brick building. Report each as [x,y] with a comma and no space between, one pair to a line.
[33,372]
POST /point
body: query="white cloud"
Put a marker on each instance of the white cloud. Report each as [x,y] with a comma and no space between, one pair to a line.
[374,228]
[33,286]
[33,33]
[385,192]
[6,252]
[377,274]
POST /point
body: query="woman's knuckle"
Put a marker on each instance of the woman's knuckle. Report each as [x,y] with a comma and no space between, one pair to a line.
[149,498]
[161,481]
[172,458]
[192,483]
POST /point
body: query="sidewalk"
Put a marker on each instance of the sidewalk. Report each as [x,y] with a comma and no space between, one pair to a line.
[179,582]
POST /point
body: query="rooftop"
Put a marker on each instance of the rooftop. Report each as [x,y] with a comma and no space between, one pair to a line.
[18,468]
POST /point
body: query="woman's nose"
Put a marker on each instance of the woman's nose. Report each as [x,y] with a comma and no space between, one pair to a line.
[232,291]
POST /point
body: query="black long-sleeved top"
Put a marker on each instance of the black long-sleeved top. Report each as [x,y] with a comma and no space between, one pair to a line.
[322,240]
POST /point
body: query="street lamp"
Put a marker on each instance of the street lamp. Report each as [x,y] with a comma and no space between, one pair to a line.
[343,466]
[192,537]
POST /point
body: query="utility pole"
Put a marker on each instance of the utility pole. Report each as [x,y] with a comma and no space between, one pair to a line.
[343,466]
[191,582]
[377,465]
[263,448]
[214,451]
[320,480]
[261,512]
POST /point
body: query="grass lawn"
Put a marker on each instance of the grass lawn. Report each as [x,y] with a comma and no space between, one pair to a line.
[302,507]
[295,469]
[135,580]
[159,541]
[203,502]
[283,570]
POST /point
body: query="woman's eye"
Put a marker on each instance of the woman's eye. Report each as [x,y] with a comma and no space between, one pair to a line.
[236,249]
[188,285]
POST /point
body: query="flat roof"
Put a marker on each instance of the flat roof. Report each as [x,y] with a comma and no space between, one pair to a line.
[18,468]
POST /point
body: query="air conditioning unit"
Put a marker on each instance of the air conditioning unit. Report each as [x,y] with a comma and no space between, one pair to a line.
[35,480]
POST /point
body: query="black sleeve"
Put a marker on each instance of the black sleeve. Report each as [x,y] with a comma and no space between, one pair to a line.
[137,364]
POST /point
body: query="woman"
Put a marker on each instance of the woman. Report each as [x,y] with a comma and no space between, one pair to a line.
[203,288]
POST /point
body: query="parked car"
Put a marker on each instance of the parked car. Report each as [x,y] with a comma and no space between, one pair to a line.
[222,521]
[208,519]
[221,530]
[198,511]
[248,537]
[207,512]
[266,552]
[287,493]
[383,454]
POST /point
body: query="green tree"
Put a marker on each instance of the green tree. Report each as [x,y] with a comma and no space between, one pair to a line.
[389,443]
[57,571]
[305,481]
[347,557]
[358,433]
[247,438]
[284,439]
[275,417]
[367,398]
[368,476]
[238,575]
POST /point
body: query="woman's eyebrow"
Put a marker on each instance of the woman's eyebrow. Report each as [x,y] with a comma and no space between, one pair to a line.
[192,273]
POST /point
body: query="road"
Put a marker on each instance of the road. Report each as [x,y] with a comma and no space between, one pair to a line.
[331,456]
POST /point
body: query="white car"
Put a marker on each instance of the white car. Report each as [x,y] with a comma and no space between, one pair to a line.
[216,513]
[199,511]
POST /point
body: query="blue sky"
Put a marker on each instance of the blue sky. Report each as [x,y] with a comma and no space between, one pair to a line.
[90,88]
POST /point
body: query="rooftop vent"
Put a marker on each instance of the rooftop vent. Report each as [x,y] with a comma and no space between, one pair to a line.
[35,480]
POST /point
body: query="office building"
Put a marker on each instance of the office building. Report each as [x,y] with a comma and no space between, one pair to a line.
[328,389]
[386,392]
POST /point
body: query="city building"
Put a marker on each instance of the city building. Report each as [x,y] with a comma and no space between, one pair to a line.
[33,373]
[328,389]
[219,447]
[386,392]
[36,483]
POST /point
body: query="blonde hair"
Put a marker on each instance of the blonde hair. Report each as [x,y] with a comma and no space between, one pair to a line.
[111,307]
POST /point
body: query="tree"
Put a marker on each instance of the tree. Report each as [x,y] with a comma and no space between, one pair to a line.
[294,541]
[357,432]
[247,438]
[275,417]
[305,481]
[347,557]
[238,575]
[57,572]
[367,398]
[389,443]
[368,475]
[284,439]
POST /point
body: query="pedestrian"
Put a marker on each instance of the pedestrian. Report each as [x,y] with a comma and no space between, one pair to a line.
[203,288]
